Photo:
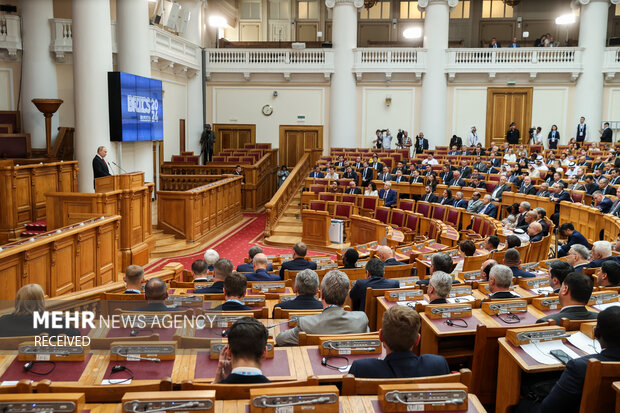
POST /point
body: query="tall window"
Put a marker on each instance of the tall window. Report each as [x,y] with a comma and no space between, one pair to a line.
[381,10]
[250,10]
[495,9]
[409,10]
[279,10]
[617,13]
[308,10]
[461,11]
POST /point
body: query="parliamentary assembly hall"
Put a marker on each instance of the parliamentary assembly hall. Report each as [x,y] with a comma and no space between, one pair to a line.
[295,206]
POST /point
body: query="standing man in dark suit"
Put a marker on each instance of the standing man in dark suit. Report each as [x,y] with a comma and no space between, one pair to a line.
[207,140]
[299,261]
[607,134]
[429,196]
[421,143]
[134,279]
[367,175]
[513,136]
[574,237]
[400,333]
[306,286]
[580,136]
[240,360]
[375,268]
[235,286]
[574,296]
[100,166]
[388,195]
[553,137]
[353,189]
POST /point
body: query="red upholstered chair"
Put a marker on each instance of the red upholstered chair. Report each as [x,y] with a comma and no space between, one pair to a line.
[578,196]
[439,212]
[247,159]
[343,210]
[412,223]
[321,181]
[327,196]
[317,189]
[388,162]
[433,230]
[543,174]
[263,146]
[490,186]
[353,199]
[369,205]
[187,153]
[397,218]
[318,205]
[234,159]
[178,158]
[477,225]
[382,214]
[406,204]
[423,208]
[453,217]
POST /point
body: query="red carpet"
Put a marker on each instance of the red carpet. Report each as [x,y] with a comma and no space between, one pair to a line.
[233,245]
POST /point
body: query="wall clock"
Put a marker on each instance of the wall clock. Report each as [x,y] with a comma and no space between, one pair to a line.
[267,110]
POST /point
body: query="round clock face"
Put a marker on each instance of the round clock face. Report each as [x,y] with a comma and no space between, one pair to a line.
[267,110]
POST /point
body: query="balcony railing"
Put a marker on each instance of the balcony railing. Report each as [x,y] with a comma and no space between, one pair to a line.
[612,62]
[10,38]
[389,60]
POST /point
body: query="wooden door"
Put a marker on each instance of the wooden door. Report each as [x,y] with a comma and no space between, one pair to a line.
[504,106]
[232,136]
[306,31]
[295,139]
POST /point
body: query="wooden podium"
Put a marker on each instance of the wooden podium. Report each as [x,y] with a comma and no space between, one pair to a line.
[315,227]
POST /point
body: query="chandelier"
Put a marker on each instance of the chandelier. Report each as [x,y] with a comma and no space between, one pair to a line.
[512,2]
[369,3]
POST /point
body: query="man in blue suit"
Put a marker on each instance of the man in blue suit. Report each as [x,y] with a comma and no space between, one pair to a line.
[249,267]
[221,269]
[235,286]
[306,286]
[601,252]
[388,195]
[375,268]
[558,196]
[299,261]
[459,202]
[574,237]
[317,172]
[512,259]
[488,208]
[601,203]
[399,334]
[260,270]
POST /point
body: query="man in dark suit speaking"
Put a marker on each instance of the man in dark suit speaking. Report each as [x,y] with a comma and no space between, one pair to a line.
[100,166]
[399,334]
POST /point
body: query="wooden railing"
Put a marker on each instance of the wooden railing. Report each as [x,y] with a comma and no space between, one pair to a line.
[260,178]
[275,208]
[71,259]
[64,145]
[23,189]
[185,182]
[198,212]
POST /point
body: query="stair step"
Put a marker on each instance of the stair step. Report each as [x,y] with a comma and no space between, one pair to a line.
[166,242]
[180,245]
[289,220]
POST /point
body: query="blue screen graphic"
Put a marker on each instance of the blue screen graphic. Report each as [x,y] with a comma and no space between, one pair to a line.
[141,108]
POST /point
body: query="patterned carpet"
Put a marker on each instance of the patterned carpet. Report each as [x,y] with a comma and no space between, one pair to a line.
[233,245]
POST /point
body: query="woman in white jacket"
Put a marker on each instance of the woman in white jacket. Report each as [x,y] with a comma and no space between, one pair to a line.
[472,137]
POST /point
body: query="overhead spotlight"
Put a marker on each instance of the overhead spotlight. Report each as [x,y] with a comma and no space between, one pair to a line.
[569,18]
[412,33]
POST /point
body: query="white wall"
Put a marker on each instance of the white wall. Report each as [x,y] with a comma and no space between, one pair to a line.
[6,85]
[469,108]
[64,78]
[175,108]
[242,105]
[377,115]
[550,107]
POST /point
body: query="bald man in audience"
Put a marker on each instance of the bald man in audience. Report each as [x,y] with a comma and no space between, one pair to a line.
[155,292]
[385,254]
[500,280]
[134,279]
[334,319]
[248,267]
[534,230]
[578,256]
[512,259]
[260,270]
[609,274]
[574,295]
[439,287]
[400,333]
[221,269]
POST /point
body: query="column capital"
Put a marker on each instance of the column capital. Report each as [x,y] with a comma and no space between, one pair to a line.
[586,2]
[330,4]
[423,4]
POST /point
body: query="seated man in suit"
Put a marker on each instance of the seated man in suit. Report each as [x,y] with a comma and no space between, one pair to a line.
[299,261]
[350,174]
[349,258]
[429,196]
[601,252]
[440,261]
[235,286]
[500,280]
[439,287]
[609,274]
[134,279]
[485,268]
[579,257]
[306,286]
[375,268]
[400,333]
[512,259]
[502,187]
[385,175]
[222,269]
[352,189]
[388,195]
[534,230]
[317,172]
[574,237]
[199,271]
[601,202]
[475,204]
[558,270]
[526,187]
[565,396]
[459,201]
[558,195]
[260,270]
[492,243]
[248,267]
[487,207]
[334,319]
[155,292]
[574,295]
[240,360]
[385,254]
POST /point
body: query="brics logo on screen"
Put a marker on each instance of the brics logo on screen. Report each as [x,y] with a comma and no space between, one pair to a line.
[146,106]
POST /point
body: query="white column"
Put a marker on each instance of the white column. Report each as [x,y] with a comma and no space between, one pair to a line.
[38,68]
[343,106]
[589,90]
[92,60]
[434,87]
[132,36]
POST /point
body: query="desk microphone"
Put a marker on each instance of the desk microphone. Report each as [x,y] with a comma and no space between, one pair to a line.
[136,356]
[118,166]
[225,332]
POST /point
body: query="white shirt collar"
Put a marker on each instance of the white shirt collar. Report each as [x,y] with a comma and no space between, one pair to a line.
[246,370]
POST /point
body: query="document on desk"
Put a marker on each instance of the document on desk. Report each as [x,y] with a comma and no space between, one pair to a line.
[461,299]
[585,343]
[412,303]
[601,307]
[541,351]
[542,290]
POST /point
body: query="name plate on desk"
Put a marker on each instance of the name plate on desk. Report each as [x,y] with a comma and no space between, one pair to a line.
[222,321]
[473,276]
[322,399]
[411,295]
[448,310]
[529,267]
[200,285]
[533,283]
[546,304]
[254,300]
[504,306]
[423,397]
[201,401]
[336,347]
[216,348]
[30,352]
[529,335]
[43,402]
[143,350]
[184,300]
[268,288]
[460,290]
[407,281]
[603,297]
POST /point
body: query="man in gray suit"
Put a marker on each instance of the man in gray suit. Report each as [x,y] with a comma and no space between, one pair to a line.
[385,176]
[574,295]
[334,319]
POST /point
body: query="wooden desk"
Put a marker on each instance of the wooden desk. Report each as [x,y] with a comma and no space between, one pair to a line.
[370,404]
[616,387]
[512,362]
[311,358]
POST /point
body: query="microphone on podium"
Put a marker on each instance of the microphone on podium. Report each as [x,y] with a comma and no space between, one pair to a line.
[119,167]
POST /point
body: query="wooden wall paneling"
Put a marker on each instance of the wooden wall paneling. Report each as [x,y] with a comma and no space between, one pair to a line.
[37,266]
[42,181]
[87,272]
[108,241]
[294,140]
[22,195]
[306,31]
[233,136]
[315,227]
[373,32]
[63,257]
[11,272]
[506,105]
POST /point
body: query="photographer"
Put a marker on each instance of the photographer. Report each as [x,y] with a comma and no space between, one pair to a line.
[378,139]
